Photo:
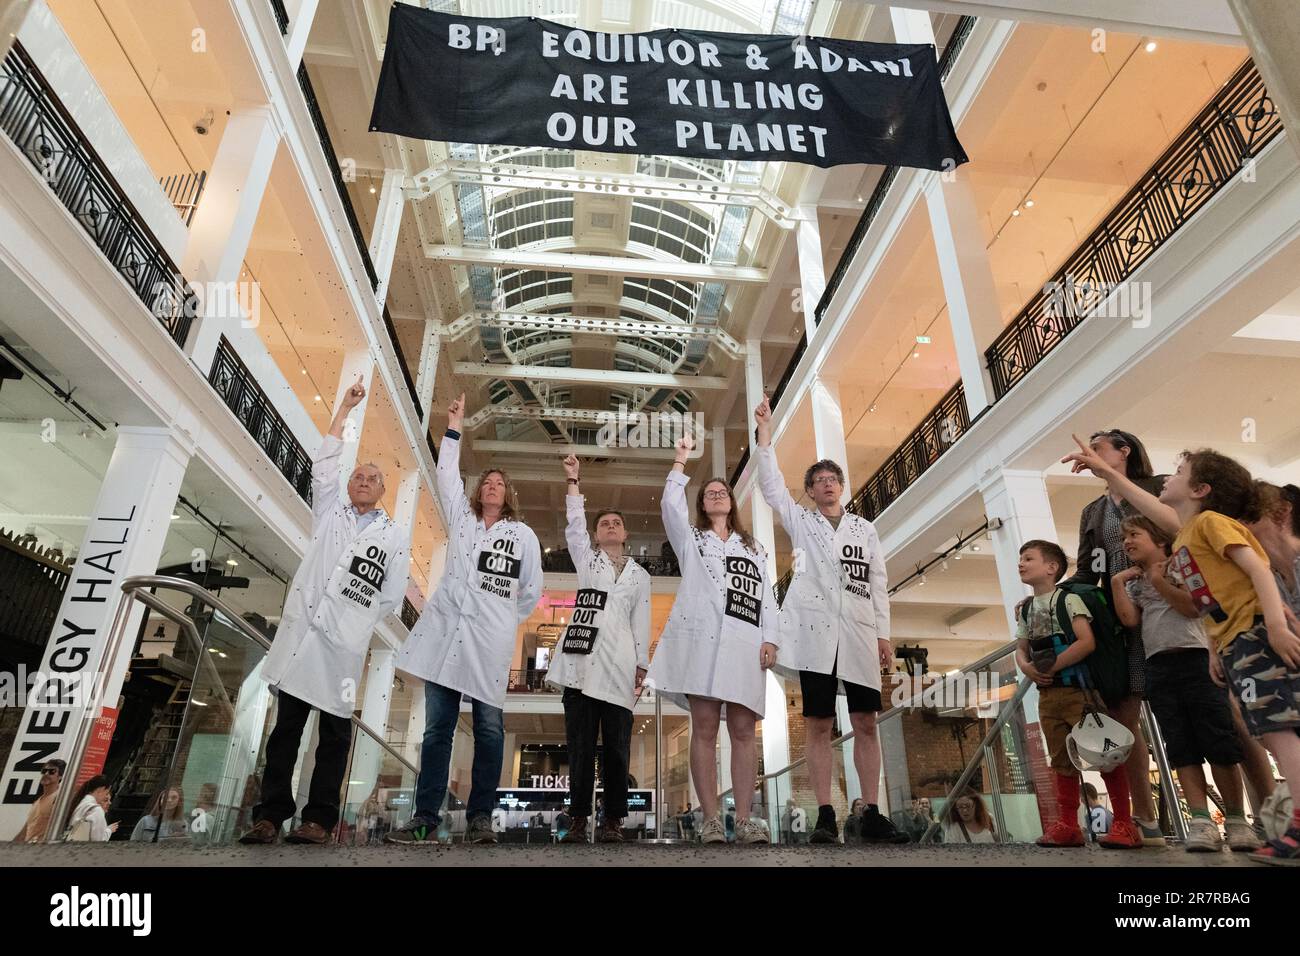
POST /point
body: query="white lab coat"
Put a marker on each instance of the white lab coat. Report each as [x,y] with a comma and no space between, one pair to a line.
[837,604]
[465,638]
[612,617]
[346,583]
[725,610]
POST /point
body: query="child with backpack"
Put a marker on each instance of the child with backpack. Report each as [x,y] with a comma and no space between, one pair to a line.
[1217,559]
[1192,711]
[1066,644]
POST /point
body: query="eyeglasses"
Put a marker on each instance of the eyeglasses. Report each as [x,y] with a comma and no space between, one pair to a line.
[825,480]
[717,495]
[49,770]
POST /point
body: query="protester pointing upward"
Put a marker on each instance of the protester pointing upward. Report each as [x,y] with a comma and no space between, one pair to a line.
[465,639]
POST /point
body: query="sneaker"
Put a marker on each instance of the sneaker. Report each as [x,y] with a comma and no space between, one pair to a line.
[610,832]
[1123,835]
[751,831]
[1061,833]
[577,832]
[417,831]
[309,833]
[713,831]
[264,832]
[1150,831]
[1281,852]
[826,830]
[1241,837]
[480,830]
[878,828]
[1203,836]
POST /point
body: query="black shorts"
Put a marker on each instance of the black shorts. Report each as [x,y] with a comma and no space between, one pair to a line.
[820,690]
[1193,713]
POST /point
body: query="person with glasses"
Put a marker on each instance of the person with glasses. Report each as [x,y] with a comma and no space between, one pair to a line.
[834,627]
[719,640]
[1101,557]
[353,574]
[37,826]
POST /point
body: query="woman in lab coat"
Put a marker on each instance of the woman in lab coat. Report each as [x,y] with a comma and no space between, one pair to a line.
[600,661]
[465,639]
[720,638]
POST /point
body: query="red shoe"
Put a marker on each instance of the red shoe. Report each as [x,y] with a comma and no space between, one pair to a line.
[1061,833]
[1123,835]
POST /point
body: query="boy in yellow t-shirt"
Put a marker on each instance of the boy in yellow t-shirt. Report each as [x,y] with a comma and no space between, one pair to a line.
[1225,570]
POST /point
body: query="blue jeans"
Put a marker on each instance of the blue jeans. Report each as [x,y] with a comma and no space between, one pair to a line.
[441,711]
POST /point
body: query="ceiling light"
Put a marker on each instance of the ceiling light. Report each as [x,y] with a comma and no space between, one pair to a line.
[916,355]
[318,398]
[1015,212]
[1029,204]
[372,189]
[957,556]
[872,408]
[547,551]
[175,516]
[1151,46]
[974,547]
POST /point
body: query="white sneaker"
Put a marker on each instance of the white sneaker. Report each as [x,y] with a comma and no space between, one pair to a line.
[1241,837]
[751,831]
[713,831]
[1203,836]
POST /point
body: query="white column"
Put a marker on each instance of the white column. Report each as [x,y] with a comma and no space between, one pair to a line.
[430,349]
[1272,32]
[719,439]
[407,499]
[368,756]
[1018,500]
[12,14]
[357,362]
[300,21]
[828,428]
[415,723]
[223,225]
[125,536]
[959,244]
[388,223]
[812,265]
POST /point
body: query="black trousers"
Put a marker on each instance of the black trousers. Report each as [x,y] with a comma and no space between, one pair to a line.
[584,719]
[278,802]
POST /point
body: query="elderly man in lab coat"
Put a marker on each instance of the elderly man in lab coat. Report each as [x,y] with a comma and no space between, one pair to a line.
[465,640]
[834,627]
[353,573]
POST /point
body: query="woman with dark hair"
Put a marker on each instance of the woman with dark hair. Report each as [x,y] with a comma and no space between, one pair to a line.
[1101,557]
[967,820]
[164,819]
[88,823]
[719,640]
[463,644]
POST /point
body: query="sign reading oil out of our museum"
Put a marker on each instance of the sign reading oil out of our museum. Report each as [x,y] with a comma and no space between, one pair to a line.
[523,81]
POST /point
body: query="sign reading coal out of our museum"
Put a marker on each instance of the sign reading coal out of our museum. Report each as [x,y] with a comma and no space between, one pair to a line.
[524,81]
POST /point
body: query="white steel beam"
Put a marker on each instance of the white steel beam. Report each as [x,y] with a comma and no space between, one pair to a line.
[507,177]
[572,324]
[590,376]
[543,449]
[578,262]
[1203,21]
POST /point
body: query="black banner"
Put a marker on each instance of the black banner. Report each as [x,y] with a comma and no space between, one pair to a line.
[523,81]
[580,635]
[744,590]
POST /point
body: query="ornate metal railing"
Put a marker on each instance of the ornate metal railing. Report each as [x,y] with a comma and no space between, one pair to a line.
[281,15]
[231,380]
[409,614]
[942,426]
[185,191]
[34,118]
[327,147]
[956,42]
[1232,129]
[529,682]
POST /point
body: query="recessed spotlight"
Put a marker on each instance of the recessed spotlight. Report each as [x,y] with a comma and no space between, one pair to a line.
[317,398]
[1151,46]
[974,547]
[1029,204]
[372,190]
[1015,212]
[916,355]
[231,562]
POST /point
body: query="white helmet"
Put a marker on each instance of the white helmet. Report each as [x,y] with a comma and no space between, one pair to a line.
[1098,742]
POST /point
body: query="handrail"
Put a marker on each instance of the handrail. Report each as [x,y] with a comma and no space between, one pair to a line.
[361,725]
[890,714]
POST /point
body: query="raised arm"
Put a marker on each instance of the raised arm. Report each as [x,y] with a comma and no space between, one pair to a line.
[451,486]
[676,513]
[326,481]
[575,531]
[770,480]
[1085,459]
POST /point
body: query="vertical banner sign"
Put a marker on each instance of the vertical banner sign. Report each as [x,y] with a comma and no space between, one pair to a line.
[522,81]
